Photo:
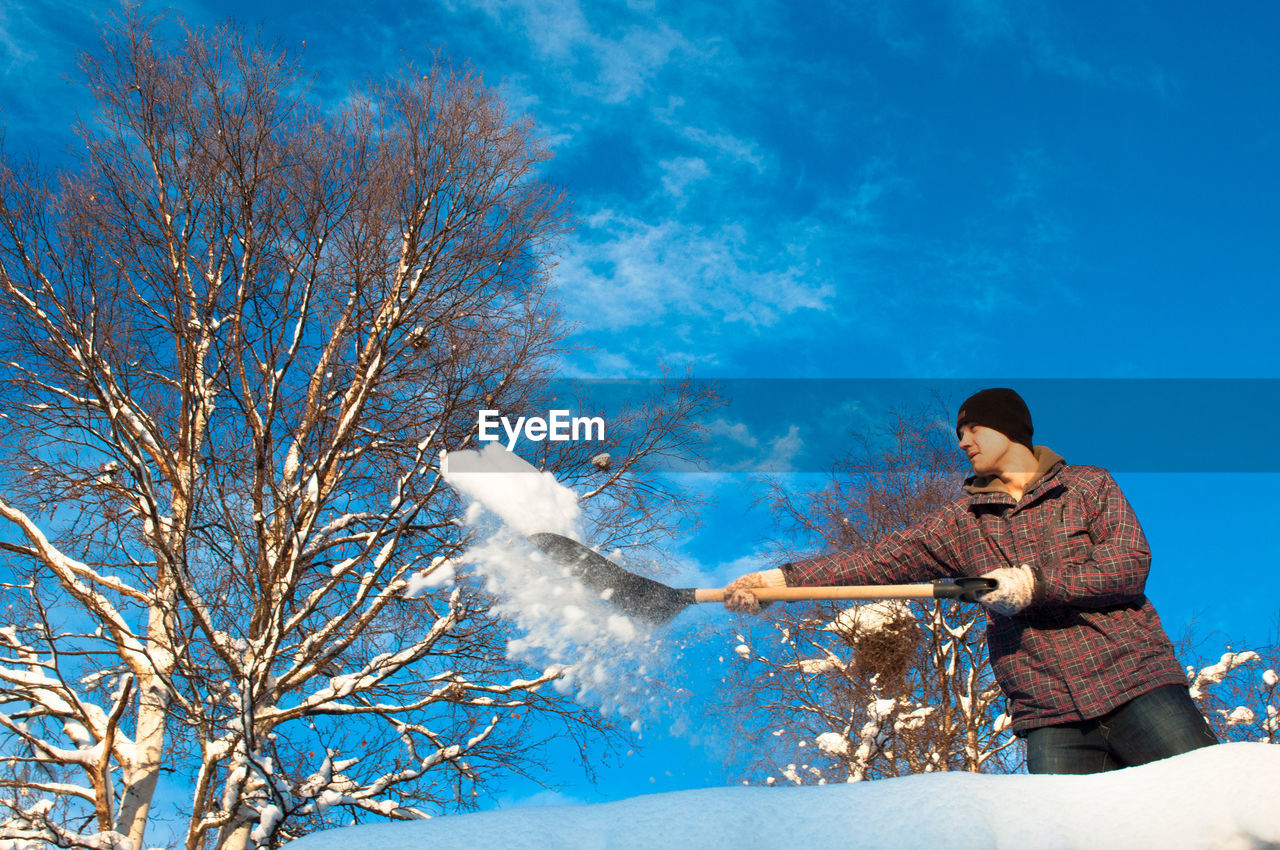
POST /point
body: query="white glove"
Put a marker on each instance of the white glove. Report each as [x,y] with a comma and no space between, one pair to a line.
[738,596]
[1014,591]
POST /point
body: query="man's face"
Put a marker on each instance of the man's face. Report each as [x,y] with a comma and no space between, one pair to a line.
[985,447]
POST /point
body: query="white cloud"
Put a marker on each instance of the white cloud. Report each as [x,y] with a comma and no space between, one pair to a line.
[738,432]
[680,172]
[628,64]
[609,67]
[695,125]
[735,148]
[701,574]
[783,451]
[738,449]
[1032,28]
[984,21]
[13,53]
[1037,30]
[40,44]
[625,272]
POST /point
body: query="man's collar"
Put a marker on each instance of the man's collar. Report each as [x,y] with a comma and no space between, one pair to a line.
[1047,464]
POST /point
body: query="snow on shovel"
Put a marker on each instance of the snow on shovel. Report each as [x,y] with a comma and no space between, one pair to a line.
[646,599]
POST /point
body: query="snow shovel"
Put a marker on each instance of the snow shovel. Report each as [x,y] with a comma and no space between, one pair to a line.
[646,599]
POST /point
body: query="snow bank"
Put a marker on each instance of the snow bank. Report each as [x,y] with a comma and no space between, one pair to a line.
[1221,797]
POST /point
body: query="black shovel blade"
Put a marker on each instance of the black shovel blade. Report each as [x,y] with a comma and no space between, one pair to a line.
[633,595]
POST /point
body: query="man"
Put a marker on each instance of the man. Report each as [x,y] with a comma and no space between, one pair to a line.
[1076,646]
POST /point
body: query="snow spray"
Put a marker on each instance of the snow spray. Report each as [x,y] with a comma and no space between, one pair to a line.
[602,656]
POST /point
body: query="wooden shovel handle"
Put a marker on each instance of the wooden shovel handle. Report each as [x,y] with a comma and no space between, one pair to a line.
[963,588]
[797,594]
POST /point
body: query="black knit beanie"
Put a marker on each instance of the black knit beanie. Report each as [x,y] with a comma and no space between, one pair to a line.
[999,408]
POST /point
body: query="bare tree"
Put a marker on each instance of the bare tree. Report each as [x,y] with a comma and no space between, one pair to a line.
[235,340]
[878,689]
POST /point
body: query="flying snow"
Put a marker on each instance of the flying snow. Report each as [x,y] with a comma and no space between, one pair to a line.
[521,497]
[602,657]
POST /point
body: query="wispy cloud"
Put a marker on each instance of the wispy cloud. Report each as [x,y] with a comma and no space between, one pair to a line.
[746,179]
[14,50]
[611,59]
[736,432]
[690,280]
[680,172]
[693,124]
[1039,31]
[40,47]
[743,449]
[783,451]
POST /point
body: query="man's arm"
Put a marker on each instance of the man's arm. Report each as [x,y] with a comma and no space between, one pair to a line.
[921,552]
[1114,572]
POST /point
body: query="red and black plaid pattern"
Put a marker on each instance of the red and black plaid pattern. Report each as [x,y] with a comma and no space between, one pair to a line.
[1091,642]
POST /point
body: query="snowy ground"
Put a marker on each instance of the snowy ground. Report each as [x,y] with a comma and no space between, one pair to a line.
[1224,797]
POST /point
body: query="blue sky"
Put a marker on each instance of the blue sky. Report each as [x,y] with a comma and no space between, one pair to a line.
[868,189]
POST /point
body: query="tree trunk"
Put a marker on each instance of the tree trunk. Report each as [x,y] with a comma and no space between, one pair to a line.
[143,769]
[237,838]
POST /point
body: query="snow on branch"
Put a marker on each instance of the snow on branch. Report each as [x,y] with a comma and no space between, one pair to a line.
[1216,672]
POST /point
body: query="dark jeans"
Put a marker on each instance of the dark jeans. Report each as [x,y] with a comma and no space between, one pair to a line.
[1155,725]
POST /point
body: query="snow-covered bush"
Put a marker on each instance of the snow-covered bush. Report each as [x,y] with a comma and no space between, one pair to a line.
[1238,694]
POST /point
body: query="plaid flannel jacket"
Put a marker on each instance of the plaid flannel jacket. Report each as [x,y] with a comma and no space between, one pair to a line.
[1091,641]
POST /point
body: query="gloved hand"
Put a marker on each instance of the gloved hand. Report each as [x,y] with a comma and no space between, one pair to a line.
[1014,591]
[738,596]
